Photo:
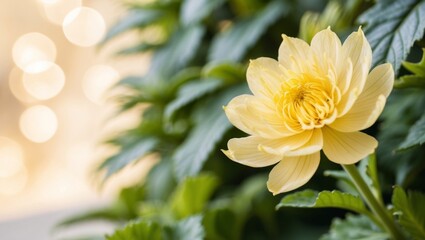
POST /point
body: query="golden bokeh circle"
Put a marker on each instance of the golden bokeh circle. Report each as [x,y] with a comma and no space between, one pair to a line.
[31,48]
[45,84]
[84,27]
[38,123]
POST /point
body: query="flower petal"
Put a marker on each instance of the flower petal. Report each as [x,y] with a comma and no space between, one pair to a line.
[252,116]
[347,102]
[370,103]
[292,172]
[264,77]
[326,46]
[282,145]
[245,151]
[347,148]
[314,144]
[380,81]
[344,76]
[357,48]
[293,53]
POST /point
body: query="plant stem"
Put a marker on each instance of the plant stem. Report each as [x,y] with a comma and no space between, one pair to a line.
[377,208]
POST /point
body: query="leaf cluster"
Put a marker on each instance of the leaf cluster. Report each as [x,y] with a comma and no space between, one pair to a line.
[199,52]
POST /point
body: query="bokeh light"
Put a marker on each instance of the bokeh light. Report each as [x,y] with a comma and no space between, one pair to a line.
[56,10]
[15,183]
[32,48]
[11,157]
[45,84]
[38,123]
[16,86]
[84,26]
[97,81]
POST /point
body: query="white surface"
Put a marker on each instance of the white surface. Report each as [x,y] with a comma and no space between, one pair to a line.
[40,226]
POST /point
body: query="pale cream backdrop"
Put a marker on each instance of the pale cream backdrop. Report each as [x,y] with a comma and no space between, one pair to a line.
[57,174]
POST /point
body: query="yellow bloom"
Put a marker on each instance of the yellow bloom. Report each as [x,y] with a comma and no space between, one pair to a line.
[315,97]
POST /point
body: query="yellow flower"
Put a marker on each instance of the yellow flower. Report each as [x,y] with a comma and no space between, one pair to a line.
[315,97]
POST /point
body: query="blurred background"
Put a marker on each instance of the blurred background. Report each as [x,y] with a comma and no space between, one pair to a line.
[55,104]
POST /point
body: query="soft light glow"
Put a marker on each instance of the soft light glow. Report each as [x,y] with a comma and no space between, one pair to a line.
[97,80]
[32,48]
[11,157]
[17,87]
[38,123]
[14,184]
[56,10]
[45,84]
[84,26]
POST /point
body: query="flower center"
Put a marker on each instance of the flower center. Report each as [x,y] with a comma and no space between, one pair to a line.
[305,102]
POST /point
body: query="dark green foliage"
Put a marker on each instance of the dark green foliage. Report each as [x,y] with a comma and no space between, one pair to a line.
[176,53]
[416,135]
[198,64]
[325,199]
[210,121]
[128,154]
[403,109]
[135,19]
[418,77]
[189,229]
[192,194]
[190,92]
[354,227]
[141,230]
[410,209]
[392,27]
[193,11]
[232,44]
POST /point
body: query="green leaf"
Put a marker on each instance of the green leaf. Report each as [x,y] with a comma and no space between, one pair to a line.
[190,92]
[392,28]
[251,189]
[409,81]
[189,229]
[131,81]
[344,181]
[135,19]
[229,72]
[402,110]
[354,227]
[313,199]
[180,49]
[185,75]
[410,210]
[113,214]
[128,155]
[418,77]
[141,230]
[416,135]
[192,194]
[193,11]
[225,218]
[369,171]
[160,181]
[416,68]
[130,199]
[139,48]
[233,43]
[339,175]
[220,223]
[332,16]
[211,124]
[156,211]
